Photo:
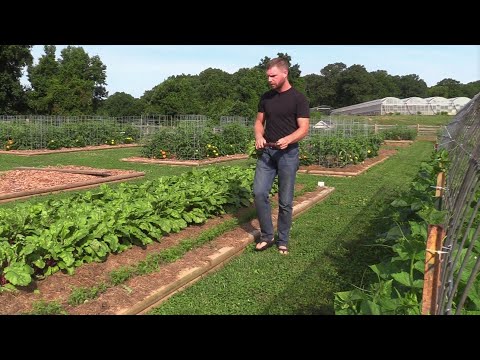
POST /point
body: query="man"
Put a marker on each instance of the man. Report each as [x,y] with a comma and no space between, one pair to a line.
[283,119]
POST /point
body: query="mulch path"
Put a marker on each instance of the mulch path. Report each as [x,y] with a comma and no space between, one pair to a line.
[14,181]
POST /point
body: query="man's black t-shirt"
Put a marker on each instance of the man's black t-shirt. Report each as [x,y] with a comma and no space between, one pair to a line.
[281,112]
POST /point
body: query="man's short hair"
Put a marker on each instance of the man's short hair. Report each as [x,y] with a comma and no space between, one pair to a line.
[278,62]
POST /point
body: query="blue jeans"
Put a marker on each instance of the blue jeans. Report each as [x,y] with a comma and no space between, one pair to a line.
[283,163]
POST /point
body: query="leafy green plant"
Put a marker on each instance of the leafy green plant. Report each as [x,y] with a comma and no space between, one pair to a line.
[82,295]
[60,235]
[40,134]
[185,142]
[399,133]
[335,151]
[399,285]
[43,307]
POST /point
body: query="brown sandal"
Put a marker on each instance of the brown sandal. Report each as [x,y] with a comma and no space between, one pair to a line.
[282,249]
[266,246]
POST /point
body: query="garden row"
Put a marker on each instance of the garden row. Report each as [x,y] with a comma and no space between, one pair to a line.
[61,234]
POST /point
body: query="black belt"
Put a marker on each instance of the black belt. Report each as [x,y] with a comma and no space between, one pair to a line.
[271,145]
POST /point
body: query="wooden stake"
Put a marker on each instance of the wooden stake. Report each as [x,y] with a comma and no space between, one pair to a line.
[431,278]
[440,184]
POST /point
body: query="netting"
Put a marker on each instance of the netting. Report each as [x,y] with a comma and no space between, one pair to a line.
[459,290]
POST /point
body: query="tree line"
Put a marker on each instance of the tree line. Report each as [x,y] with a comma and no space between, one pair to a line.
[75,84]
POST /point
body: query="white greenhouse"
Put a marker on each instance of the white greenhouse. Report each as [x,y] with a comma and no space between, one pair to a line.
[409,106]
[437,105]
[458,103]
[416,105]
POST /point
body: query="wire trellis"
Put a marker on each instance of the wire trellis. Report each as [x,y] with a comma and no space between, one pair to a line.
[31,132]
[458,288]
[326,126]
[246,121]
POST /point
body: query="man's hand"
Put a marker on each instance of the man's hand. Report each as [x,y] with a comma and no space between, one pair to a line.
[283,143]
[260,143]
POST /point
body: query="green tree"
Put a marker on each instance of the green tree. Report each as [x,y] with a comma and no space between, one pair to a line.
[175,96]
[41,77]
[437,90]
[355,85]
[215,92]
[454,87]
[214,84]
[331,75]
[13,58]
[385,85]
[249,85]
[122,104]
[411,85]
[75,86]
[314,89]
[471,89]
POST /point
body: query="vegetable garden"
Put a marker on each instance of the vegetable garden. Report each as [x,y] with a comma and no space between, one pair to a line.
[49,237]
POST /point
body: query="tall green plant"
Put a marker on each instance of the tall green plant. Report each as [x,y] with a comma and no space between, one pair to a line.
[398,290]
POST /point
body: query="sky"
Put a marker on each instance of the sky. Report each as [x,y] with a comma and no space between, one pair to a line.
[134,69]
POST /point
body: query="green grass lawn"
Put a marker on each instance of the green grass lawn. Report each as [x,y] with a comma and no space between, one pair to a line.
[329,249]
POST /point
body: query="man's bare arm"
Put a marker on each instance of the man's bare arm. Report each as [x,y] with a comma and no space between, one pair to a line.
[259,131]
[297,135]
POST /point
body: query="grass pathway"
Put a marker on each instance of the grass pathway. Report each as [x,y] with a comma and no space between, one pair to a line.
[327,249]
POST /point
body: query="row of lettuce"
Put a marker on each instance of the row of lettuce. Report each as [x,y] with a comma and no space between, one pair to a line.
[399,286]
[62,234]
[190,143]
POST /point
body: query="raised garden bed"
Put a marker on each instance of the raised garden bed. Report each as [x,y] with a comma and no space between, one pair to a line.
[349,170]
[65,150]
[24,182]
[186,162]
[398,142]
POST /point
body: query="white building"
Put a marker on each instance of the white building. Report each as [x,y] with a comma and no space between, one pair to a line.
[409,106]
[458,103]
